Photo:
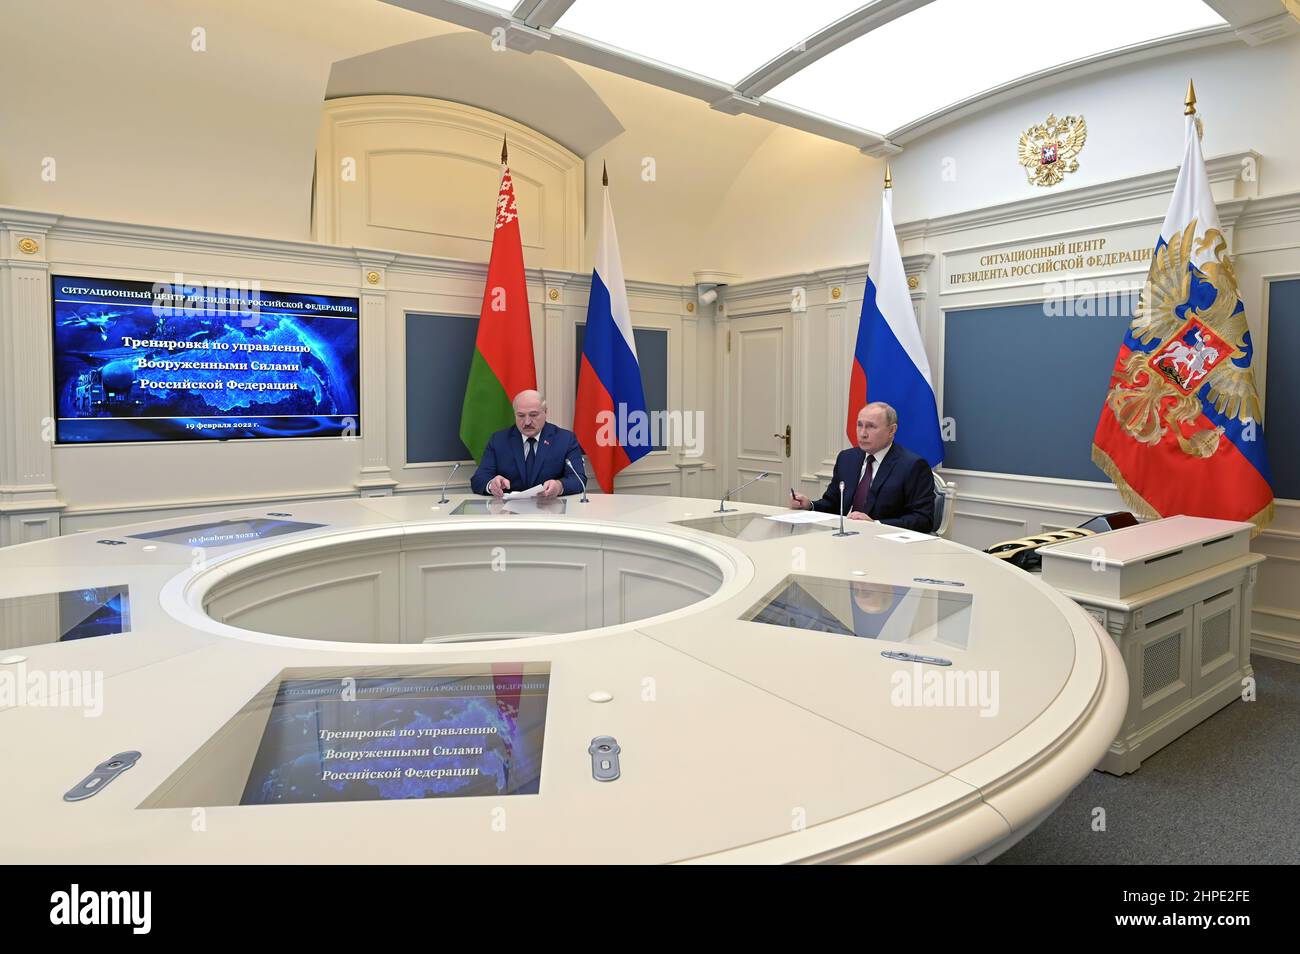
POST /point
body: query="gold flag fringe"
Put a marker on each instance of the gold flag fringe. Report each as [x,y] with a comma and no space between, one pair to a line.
[1141,508]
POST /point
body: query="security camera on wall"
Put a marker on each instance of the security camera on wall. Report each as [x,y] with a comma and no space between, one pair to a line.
[711,285]
[708,295]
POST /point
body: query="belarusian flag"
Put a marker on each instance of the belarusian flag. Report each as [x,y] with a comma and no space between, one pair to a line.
[503,352]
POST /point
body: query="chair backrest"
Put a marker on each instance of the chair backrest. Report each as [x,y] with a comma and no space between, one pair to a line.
[945,497]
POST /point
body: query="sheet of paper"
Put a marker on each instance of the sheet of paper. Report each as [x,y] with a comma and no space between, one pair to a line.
[522,494]
[802,516]
[905,536]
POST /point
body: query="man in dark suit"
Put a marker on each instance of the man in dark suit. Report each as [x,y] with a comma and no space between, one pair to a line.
[529,453]
[883,481]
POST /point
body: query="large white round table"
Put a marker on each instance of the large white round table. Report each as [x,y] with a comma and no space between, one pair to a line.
[741,740]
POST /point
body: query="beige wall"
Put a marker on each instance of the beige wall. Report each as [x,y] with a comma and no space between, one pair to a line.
[801,203]
[666,223]
[144,129]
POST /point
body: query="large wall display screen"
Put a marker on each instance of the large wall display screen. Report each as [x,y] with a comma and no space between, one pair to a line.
[367,738]
[135,361]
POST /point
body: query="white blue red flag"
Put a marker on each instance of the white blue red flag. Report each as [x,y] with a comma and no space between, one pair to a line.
[1181,432]
[889,362]
[610,393]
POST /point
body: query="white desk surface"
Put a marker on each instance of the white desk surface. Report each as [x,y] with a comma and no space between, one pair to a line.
[763,743]
[1146,540]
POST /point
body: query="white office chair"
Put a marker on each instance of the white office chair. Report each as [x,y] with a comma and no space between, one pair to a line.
[945,500]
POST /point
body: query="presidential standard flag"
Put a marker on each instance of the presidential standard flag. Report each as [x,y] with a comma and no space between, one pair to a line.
[889,362]
[502,365]
[1180,432]
[610,418]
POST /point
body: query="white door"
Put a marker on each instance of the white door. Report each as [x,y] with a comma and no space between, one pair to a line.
[762,408]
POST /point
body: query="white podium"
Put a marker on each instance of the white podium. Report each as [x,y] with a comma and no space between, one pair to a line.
[1176,596]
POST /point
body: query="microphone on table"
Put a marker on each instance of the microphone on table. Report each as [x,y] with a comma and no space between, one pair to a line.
[443,499]
[722,504]
[843,532]
[583,499]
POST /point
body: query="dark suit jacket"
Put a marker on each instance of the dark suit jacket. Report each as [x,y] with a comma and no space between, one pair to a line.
[902,490]
[504,455]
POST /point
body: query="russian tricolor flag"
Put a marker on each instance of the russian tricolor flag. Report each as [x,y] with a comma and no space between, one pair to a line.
[889,362]
[609,382]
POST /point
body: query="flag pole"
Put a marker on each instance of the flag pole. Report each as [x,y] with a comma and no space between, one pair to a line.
[889,180]
[1157,480]
[503,363]
[610,398]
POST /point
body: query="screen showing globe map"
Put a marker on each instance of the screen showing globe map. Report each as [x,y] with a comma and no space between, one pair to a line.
[181,361]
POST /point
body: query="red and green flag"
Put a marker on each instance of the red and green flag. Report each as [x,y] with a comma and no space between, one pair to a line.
[502,365]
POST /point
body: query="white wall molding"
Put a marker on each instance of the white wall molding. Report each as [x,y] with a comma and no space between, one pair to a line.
[129,234]
[1258,213]
[1222,170]
[1065,72]
[29,501]
[1269,29]
[137,236]
[376,476]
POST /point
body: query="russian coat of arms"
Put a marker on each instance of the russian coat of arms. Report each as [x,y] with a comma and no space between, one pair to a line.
[1189,344]
[1190,356]
[1049,150]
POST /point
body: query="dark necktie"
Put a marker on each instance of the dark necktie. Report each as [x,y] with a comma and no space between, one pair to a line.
[530,456]
[863,490]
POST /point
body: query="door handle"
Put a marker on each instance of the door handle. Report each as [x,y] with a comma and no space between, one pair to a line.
[786,437]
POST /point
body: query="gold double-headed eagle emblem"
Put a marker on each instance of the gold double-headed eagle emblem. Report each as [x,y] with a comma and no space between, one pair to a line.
[1049,150]
[1196,346]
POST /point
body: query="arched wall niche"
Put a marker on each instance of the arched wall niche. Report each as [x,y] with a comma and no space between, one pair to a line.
[420,175]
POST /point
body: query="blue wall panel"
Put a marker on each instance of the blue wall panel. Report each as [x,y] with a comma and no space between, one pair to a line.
[1282,401]
[439,349]
[1026,390]
[438,353]
[652,355]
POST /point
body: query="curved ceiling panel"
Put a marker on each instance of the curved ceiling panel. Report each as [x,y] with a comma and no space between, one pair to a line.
[541,92]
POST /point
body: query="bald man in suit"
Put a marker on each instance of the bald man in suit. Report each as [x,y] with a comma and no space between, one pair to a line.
[530,452]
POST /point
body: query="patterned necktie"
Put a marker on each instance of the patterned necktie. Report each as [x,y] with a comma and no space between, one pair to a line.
[863,490]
